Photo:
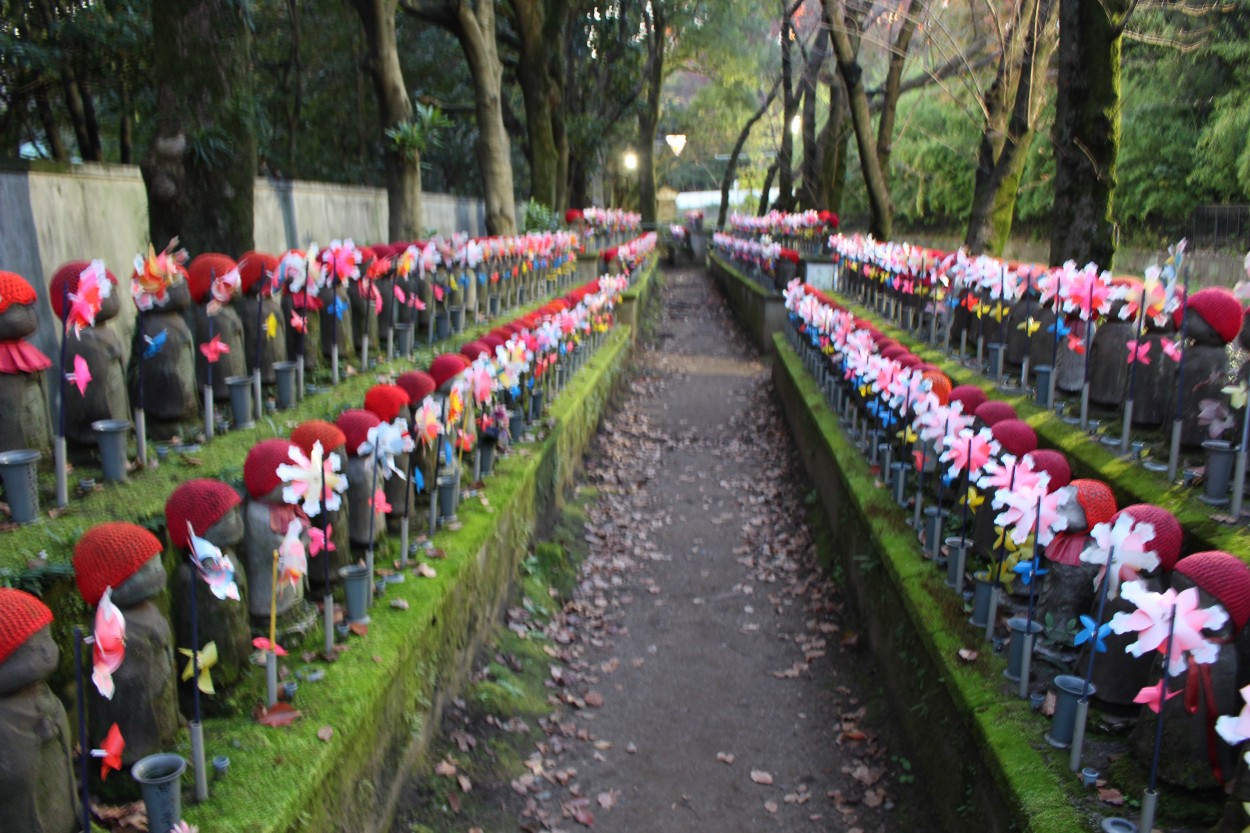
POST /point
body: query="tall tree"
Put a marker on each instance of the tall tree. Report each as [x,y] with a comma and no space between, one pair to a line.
[655,22]
[200,167]
[540,25]
[473,24]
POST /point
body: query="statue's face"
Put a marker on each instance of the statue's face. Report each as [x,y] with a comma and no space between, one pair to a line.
[227,532]
[146,583]
[1071,510]
[32,661]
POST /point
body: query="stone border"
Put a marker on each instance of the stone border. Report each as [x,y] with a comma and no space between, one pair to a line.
[760,311]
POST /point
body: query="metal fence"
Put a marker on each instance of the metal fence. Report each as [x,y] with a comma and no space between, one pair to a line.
[1220,227]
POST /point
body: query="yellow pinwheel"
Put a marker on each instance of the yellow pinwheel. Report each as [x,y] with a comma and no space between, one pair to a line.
[973,499]
[1004,540]
[999,311]
[271,326]
[1030,326]
[907,435]
[206,658]
[1236,395]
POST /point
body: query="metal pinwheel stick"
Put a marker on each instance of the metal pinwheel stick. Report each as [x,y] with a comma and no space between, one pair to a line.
[1150,797]
[1126,430]
[197,725]
[1000,557]
[1082,704]
[1174,450]
[59,452]
[141,422]
[208,388]
[258,409]
[327,601]
[84,759]
[1089,341]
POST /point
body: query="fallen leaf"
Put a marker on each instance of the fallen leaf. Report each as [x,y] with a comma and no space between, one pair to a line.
[359,628]
[770,806]
[1110,795]
[453,801]
[281,714]
[425,570]
[594,699]
[464,783]
[445,768]
[325,733]
[399,604]
[761,777]
[967,654]
[607,800]
[874,798]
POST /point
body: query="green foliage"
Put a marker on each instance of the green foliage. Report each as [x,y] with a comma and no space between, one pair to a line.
[537,217]
[413,136]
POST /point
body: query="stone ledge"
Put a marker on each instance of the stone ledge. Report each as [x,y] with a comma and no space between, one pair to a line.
[979,752]
[760,311]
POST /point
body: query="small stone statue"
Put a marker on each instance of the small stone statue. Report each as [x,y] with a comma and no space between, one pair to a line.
[1108,370]
[1212,321]
[37,788]
[1069,588]
[332,441]
[1190,753]
[268,323]
[24,418]
[127,558]
[214,281]
[101,347]
[167,350]
[212,509]
[267,520]
[361,484]
[1016,439]
[367,301]
[388,402]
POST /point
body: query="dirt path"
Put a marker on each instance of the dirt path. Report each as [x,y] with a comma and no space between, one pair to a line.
[705,675]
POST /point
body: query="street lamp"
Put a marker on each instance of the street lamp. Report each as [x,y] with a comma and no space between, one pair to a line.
[676,142]
[630,160]
[796,124]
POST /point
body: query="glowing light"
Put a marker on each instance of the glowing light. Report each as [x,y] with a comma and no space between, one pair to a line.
[631,160]
[676,142]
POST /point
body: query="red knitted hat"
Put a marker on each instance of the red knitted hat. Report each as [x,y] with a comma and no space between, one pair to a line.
[14,289]
[260,469]
[1096,499]
[108,554]
[941,385]
[307,434]
[355,425]
[474,349]
[446,367]
[253,266]
[993,412]
[1014,436]
[893,351]
[1225,577]
[501,333]
[909,360]
[1054,464]
[1220,308]
[971,396]
[491,342]
[418,385]
[386,401]
[203,502]
[1168,534]
[21,617]
[202,270]
[66,280]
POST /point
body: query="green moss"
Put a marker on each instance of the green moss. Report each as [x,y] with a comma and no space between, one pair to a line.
[738,275]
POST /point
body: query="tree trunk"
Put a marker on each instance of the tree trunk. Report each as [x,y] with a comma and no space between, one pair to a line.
[893,78]
[809,185]
[295,94]
[403,165]
[537,32]
[477,38]
[649,117]
[881,212]
[91,123]
[125,128]
[1008,132]
[768,186]
[200,169]
[833,148]
[1086,132]
[51,131]
[731,170]
[789,109]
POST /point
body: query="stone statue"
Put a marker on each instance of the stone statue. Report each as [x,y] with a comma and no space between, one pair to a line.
[214,282]
[101,347]
[355,425]
[1212,321]
[24,419]
[1108,370]
[37,788]
[258,283]
[332,441]
[1070,588]
[212,509]
[388,402]
[167,350]
[367,301]
[267,519]
[127,558]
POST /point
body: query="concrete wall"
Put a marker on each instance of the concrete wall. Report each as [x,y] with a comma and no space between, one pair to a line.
[100,211]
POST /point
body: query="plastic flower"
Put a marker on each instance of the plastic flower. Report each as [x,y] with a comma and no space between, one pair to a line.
[1153,618]
[1151,695]
[85,303]
[292,561]
[308,476]
[110,752]
[154,275]
[215,568]
[108,644]
[426,422]
[1124,543]
[204,660]
[387,440]
[1234,730]
[213,349]
[1092,630]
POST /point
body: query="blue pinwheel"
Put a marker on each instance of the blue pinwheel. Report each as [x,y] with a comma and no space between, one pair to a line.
[1092,630]
[338,308]
[155,343]
[1027,572]
[1064,329]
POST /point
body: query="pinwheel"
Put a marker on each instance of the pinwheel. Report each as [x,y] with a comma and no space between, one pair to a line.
[426,422]
[216,569]
[1235,730]
[223,288]
[155,274]
[386,441]
[199,666]
[214,349]
[292,560]
[86,301]
[307,476]
[108,644]
[110,752]
[1159,614]
[81,376]
[1091,630]
[1124,543]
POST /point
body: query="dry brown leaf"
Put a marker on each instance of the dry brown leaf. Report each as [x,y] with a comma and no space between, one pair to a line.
[464,783]
[725,757]
[594,699]
[874,798]
[281,714]
[607,800]
[445,768]
[759,776]
[770,806]
[967,654]
[1110,795]
[425,570]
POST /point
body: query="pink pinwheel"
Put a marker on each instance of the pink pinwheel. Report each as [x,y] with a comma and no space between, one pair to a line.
[380,503]
[213,350]
[1213,414]
[1085,286]
[85,303]
[1124,542]
[970,452]
[154,275]
[1138,352]
[1234,730]
[223,288]
[1151,695]
[1007,474]
[81,376]
[292,560]
[216,568]
[1153,618]
[1171,348]
[260,643]
[108,643]
[342,260]
[426,422]
[318,540]
[299,323]
[481,382]
[1076,344]
[1020,507]
[110,752]
[308,476]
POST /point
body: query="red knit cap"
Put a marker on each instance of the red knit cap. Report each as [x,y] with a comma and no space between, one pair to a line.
[202,270]
[253,266]
[203,502]
[491,342]
[355,425]
[21,617]
[941,385]
[993,412]
[501,333]
[108,554]
[1168,534]
[418,385]
[308,434]
[1096,499]
[893,351]
[446,367]
[1220,308]
[1054,464]
[14,289]
[473,349]
[1014,436]
[66,280]
[971,396]
[386,401]
[1223,576]
[260,469]
[909,360]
